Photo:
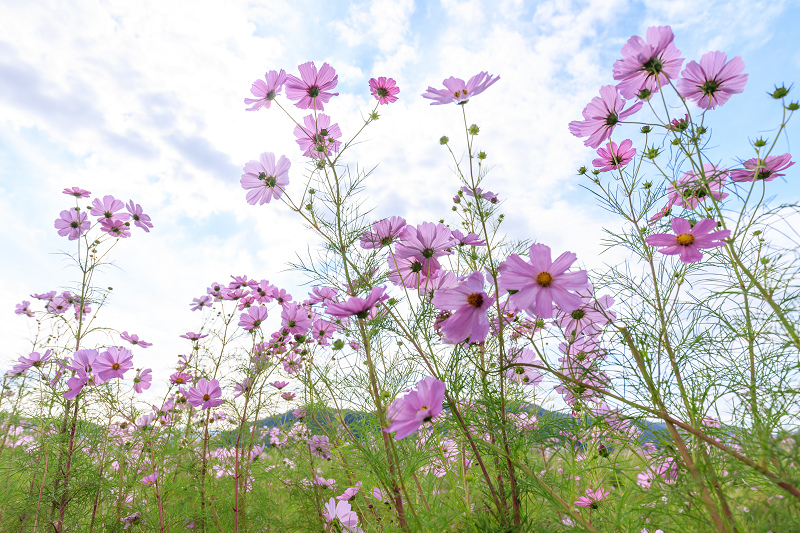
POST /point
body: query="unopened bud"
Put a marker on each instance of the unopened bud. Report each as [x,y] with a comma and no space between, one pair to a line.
[474,129]
[443,139]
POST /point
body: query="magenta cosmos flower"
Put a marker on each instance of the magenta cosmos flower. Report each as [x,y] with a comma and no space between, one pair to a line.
[542,282]
[295,318]
[522,369]
[383,233]
[693,187]
[766,169]
[77,192]
[688,240]
[140,219]
[206,394]
[426,241]
[264,180]
[340,512]
[265,92]
[313,90]
[318,138]
[592,498]
[253,318]
[359,307]
[384,90]
[135,340]
[24,308]
[613,156]
[408,413]
[648,64]
[115,227]
[712,82]
[601,116]
[72,223]
[108,208]
[470,304]
[113,363]
[458,92]
[143,380]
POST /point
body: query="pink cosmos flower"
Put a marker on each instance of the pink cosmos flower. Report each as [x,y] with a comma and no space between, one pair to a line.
[318,138]
[34,359]
[350,493]
[712,82]
[206,394]
[470,239]
[279,384]
[590,317]
[592,498]
[601,115]
[470,303]
[648,64]
[150,480]
[140,220]
[456,91]
[77,192]
[115,227]
[694,187]
[83,360]
[288,396]
[766,169]
[383,233]
[320,446]
[542,282]
[358,307]
[23,308]
[408,413]
[72,223]
[411,272]
[295,318]
[113,363]
[180,378]
[143,380]
[428,240]
[613,157]
[264,180]
[135,340]
[384,90]
[312,91]
[58,305]
[342,514]
[521,370]
[192,336]
[253,318]
[77,382]
[264,291]
[265,92]
[243,387]
[199,303]
[688,240]
[322,330]
[108,208]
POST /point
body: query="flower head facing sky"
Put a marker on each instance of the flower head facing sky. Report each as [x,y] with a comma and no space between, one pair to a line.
[312,89]
[766,169]
[422,405]
[318,138]
[713,81]
[601,115]
[541,282]
[206,394]
[264,179]
[385,90]
[457,91]
[687,240]
[694,187]
[613,156]
[648,64]
[265,92]
[469,303]
[72,223]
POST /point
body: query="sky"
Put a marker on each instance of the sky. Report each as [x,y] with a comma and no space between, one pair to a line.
[144,101]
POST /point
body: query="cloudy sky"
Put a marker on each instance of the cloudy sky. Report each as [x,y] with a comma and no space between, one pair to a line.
[144,101]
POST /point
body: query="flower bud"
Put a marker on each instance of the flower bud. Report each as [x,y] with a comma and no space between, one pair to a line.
[646,129]
[652,153]
[582,171]
[779,92]
[760,143]
[794,106]
[374,116]
[443,139]
[474,129]
[481,155]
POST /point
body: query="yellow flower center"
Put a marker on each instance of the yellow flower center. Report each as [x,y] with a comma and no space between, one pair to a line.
[544,279]
[685,239]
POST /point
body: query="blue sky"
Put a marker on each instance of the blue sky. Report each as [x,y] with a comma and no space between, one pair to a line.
[143,100]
